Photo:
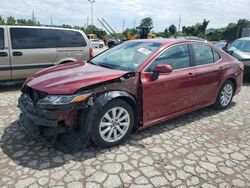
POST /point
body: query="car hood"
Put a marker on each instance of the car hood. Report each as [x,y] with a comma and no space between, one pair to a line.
[68,78]
[242,55]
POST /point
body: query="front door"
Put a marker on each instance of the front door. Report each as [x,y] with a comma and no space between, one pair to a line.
[171,93]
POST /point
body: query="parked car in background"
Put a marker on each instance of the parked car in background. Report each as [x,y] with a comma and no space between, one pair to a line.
[134,85]
[240,49]
[220,44]
[97,43]
[113,42]
[26,49]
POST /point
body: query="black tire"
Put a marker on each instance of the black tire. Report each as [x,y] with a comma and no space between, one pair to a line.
[101,46]
[95,134]
[218,104]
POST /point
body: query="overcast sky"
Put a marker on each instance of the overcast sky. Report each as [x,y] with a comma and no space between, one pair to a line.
[163,12]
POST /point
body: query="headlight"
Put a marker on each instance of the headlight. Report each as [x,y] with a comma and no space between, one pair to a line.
[63,99]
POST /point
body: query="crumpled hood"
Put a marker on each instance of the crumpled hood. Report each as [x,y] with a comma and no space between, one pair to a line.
[68,78]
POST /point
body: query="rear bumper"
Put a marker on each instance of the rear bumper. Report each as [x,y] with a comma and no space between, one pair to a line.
[37,121]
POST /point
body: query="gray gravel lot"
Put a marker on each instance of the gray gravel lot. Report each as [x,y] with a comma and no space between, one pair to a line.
[206,148]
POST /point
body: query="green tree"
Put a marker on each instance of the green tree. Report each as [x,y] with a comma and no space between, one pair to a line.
[172,29]
[147,22]
[166,33]
[230,32]
[130,30]
[11,20]
[2,21]
[22,21]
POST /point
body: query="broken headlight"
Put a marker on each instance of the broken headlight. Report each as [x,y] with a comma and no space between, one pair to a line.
[63,99]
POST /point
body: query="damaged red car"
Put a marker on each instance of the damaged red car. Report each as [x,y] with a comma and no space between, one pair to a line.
[130,87]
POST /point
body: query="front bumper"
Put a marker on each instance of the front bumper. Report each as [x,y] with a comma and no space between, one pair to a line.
[38,121]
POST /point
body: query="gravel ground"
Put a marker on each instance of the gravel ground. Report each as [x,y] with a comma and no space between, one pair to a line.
[206,148]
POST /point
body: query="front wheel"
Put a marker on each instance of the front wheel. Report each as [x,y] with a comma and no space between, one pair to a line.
[101,46]
[225,95]
[113,124]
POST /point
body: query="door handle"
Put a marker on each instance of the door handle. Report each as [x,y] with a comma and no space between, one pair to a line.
[190,75]
[17,53]
[3,54]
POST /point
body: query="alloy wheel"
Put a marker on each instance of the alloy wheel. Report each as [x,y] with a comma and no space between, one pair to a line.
[114,124]
[226,95]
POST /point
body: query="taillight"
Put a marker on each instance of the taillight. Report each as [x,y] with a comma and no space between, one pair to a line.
[91,53]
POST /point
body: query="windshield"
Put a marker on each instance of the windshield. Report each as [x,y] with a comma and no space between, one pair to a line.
[242,45]
[127,56]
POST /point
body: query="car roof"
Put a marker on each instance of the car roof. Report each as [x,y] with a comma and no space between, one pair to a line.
[168,41]
[39,27]
[244,38]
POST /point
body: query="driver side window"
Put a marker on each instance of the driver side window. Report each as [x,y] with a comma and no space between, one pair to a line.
[177,57]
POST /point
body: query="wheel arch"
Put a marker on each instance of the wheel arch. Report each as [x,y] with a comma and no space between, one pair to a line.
[101,99]
[233,80]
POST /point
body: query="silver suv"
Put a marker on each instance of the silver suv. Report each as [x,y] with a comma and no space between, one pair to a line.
[240,49]
[25,49]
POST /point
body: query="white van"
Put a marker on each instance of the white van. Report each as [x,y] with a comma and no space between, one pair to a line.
[27,49]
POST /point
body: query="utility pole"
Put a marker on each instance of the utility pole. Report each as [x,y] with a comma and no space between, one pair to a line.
[179,26]
[51,21]
[91,2]
[123,25]
[33,17]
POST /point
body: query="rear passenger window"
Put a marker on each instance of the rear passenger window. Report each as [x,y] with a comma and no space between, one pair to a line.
[67,38]
[203,54]
[1,38]
[177,57]
[31,38]
[28,38]
[216,56]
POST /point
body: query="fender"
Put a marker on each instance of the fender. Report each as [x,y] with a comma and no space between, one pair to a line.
[97,104]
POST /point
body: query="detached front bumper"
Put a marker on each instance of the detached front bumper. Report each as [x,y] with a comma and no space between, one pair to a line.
[38,121]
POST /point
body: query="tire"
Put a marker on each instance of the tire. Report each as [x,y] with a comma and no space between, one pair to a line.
[226,92]
[117,130]
[101,46]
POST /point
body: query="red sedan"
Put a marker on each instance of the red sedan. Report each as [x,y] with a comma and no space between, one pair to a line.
[131,86]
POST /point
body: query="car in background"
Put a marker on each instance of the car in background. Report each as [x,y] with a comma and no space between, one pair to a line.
[113,42]
[220,44]
[97,43]
[240,49]
[131,86]
[25,50]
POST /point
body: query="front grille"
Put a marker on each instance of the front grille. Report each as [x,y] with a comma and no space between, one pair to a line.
[33,94]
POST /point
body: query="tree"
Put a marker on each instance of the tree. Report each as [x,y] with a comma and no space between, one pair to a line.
[147,22]
[166,33]
[2,21]
[129,30]
[172,29]
[11,20]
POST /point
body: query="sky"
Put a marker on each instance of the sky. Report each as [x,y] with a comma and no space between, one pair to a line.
[163,12]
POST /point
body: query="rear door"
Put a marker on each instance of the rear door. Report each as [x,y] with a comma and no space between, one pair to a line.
[5,69]
[71,45]
[208,74]
[32,50]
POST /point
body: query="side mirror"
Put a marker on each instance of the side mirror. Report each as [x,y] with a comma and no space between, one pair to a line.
[161,69]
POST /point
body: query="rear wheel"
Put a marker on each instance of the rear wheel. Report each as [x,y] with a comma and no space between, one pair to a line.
[101,46]
[113,124]
[225,95]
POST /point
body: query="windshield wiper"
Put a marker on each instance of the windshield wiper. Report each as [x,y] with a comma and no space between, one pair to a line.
[105,65]
[91,62]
